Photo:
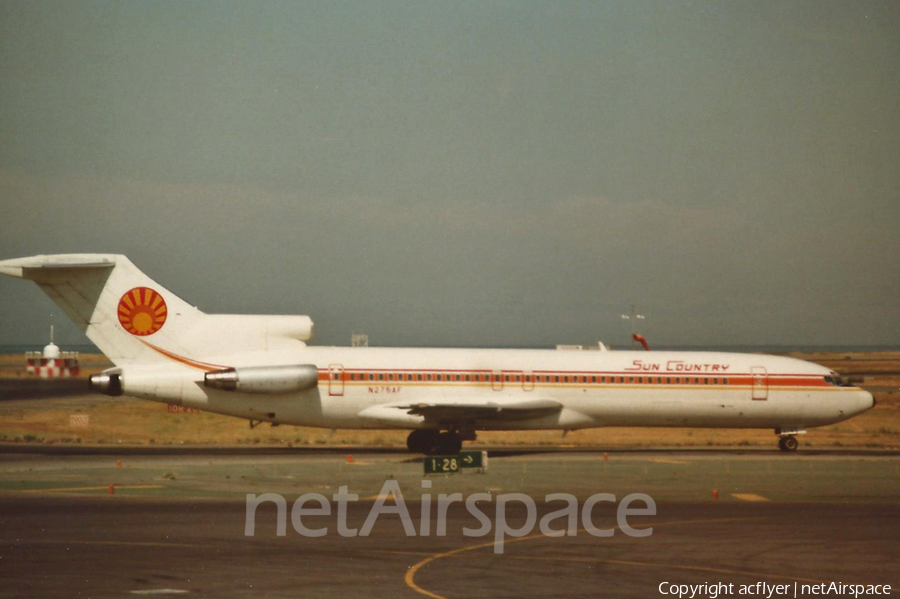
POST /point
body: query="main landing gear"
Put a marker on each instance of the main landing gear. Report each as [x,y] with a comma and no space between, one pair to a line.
[435,442]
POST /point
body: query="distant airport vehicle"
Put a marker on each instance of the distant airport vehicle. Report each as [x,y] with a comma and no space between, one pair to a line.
[260,368]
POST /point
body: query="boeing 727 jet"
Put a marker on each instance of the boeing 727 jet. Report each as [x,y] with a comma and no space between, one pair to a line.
[261,368]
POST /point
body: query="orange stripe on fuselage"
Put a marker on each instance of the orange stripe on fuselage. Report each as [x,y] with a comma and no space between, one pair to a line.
[576,378]
[186,361]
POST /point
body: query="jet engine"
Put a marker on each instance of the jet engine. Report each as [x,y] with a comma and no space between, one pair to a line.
[107,383]
[264,379]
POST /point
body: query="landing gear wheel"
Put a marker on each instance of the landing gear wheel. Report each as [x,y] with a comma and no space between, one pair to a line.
[423,441]
[449,444]
[788,443]
[432,442]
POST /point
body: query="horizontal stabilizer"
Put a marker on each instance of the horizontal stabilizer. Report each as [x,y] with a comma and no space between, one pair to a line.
[23,267]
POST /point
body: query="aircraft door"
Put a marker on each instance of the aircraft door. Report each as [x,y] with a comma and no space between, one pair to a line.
[760,383]
[335,379]
[497,380]
[527,381]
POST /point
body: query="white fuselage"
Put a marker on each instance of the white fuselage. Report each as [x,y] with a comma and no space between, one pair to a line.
[595,388]
[259,367]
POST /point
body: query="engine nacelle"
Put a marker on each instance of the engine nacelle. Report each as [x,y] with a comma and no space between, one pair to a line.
[264,379]
[107,383]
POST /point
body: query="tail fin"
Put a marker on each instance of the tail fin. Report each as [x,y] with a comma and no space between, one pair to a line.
[132,318]
[118,307]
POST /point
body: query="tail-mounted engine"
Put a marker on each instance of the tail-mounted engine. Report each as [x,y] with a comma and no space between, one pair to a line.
[107,383]
[264,379]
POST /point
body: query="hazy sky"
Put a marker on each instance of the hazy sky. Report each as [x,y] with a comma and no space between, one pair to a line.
[467,173]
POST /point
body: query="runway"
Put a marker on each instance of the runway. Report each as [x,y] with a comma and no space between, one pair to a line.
[176,524]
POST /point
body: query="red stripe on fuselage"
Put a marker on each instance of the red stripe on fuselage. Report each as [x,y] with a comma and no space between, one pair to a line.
[182,360]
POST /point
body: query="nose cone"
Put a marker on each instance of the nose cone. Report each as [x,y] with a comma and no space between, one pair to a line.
[864,400]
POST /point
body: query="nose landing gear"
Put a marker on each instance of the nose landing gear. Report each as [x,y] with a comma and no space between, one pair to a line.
[788,442]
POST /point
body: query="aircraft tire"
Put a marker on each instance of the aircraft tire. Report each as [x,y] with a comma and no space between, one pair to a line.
[449,444]
[788,443]
[423,441]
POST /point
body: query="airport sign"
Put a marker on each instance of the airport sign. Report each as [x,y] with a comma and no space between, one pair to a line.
[473,459]
[442,464]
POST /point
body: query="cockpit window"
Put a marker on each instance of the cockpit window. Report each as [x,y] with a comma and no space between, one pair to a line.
[837,380]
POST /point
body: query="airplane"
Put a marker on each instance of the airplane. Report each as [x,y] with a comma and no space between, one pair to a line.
[259,367]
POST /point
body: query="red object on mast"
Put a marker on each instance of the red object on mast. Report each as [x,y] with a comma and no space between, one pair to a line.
[640,339]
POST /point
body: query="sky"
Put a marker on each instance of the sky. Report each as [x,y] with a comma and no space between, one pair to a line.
[466,173]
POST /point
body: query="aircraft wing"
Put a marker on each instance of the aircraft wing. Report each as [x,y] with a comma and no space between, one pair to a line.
[450,411]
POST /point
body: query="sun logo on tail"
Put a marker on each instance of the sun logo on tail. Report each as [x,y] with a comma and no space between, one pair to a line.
[142,311]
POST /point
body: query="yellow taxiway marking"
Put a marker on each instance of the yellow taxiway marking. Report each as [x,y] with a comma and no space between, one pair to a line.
[397,552]
[748,497]
[102,488]
[659,461]
[411,573]
[410,576]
